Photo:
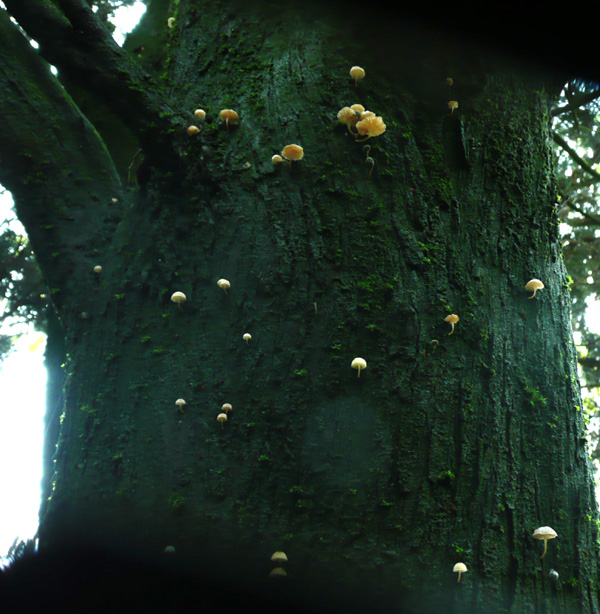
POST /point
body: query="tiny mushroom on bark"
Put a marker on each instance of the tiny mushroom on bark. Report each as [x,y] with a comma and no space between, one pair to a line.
[359,363]
[459,568]
[229,116]
[97,269]
[170,550]
[200,113]
[224,285]
[178,297]
[222,418]
[357,73]
[246,337]
[533,285]
[180,403]
[226,407]
[544,533]
[452,319]
[193,130]
[278,572]
[452,105]
[348,117]
[279,558]
[276,159]
[292,152]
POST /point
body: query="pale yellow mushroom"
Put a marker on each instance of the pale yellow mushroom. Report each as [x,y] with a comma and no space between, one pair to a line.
[357,73]
[460,568]
[359,363]
[533,285]
[452,319]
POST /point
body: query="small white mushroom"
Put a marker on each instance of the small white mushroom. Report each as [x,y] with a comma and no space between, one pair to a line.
[180,403]
[246,337]
[178,297]
[97,269]
[459,568]
[544,533]
[224,285]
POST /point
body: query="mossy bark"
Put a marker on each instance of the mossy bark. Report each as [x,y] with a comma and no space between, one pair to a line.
[448,447]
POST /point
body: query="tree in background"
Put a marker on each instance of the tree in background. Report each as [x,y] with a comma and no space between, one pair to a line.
[447,448]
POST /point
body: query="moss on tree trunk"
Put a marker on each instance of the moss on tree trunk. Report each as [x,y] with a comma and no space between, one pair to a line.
[448,447]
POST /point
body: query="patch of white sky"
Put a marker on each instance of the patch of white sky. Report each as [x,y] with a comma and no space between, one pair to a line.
[23,385]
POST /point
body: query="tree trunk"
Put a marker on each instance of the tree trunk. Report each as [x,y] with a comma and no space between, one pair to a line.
[447,447]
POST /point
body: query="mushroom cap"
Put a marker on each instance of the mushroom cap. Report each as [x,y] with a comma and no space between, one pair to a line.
[452,104]
[200,113]
[460,567]
[534,284]
[373,126]
[230,116]
[193,130]
[292,152]
[170,549]
[544,533]
[356,72]
[279,557]
[347,116]
[222,417]
[452,318]
[178,297]
[357,107]
[277,159]
[365,114]
[97,269]
[278,571]
[359,363]
[180,402]
[223,283]
[246,336]
[449,81]
[226,407]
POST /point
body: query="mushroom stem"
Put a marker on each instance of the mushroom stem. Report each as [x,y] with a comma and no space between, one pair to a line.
[533,295]
[359,370]
[363,140]
[451,324]
[459,574]
[545,539]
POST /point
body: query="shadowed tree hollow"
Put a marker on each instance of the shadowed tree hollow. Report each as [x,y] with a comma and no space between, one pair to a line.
[448,448]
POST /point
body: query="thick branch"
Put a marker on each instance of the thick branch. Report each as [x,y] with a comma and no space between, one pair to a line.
[84,52]
[50,156]
[584,165]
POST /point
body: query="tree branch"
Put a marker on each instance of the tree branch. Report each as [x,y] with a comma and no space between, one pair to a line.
[580,100]
[584,165]
[84,51]
[49,157]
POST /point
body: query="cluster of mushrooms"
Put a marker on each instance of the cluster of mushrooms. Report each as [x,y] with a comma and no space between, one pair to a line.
[363,125]
[179,298]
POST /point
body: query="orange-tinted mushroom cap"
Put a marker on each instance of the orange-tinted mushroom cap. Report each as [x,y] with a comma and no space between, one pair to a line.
[293,152]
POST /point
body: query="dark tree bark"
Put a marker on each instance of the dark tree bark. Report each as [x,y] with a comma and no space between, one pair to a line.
[447,448]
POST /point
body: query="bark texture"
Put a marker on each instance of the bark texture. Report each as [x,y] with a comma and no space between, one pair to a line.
[447,448]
